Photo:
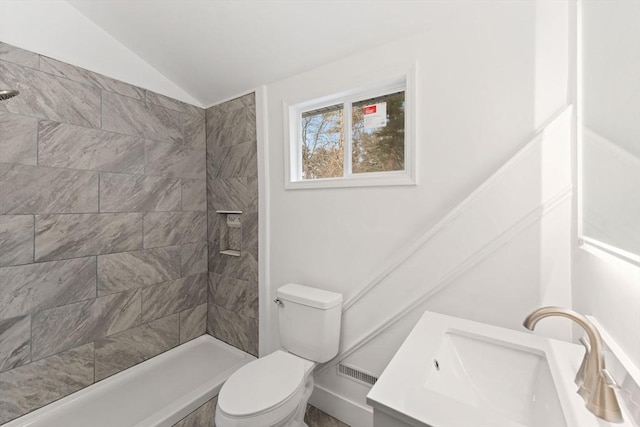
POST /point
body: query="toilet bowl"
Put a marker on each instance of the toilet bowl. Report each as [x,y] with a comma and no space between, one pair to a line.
[273,391]
[279,387]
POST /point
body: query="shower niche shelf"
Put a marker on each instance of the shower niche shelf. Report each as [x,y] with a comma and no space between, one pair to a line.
[230,232]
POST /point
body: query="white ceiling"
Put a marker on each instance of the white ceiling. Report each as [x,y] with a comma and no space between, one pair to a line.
[217,49]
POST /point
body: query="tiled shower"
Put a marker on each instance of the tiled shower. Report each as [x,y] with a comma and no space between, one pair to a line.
[107,258]
[232,185]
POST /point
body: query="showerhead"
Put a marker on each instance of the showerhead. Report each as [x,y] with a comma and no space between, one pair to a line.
[7,94]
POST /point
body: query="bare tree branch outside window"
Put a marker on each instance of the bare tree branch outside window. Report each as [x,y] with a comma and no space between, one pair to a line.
[323,144]
[378,149]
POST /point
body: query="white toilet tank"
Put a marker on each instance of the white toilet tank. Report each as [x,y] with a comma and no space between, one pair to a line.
[309,320]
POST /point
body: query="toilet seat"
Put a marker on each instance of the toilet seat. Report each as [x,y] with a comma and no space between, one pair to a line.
[264,391]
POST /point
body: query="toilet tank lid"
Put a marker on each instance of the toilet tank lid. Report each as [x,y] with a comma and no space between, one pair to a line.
[306,295]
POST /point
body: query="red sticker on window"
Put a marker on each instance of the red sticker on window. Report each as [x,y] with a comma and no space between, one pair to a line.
[370,109]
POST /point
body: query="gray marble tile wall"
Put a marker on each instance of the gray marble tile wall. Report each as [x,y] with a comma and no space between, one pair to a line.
[103,228]
[232,184]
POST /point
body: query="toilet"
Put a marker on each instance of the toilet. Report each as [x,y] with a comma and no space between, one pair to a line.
[273,391]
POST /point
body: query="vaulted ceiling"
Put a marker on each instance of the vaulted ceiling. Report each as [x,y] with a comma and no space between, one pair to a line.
[216,49]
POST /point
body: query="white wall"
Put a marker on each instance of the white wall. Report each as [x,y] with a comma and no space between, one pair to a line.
[604,286]
[56,29]
[610,31]
[609,289]
[489,75]
[505,253]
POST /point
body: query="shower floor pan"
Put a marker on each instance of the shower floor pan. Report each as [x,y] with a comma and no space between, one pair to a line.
[156,393]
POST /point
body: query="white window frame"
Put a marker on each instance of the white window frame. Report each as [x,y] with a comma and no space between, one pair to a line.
[293,153]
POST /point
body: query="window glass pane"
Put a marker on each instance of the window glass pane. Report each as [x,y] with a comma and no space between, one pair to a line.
[323,143]
[378,134]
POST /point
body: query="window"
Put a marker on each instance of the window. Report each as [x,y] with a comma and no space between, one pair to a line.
[360,138]
[377,134]
[322,143]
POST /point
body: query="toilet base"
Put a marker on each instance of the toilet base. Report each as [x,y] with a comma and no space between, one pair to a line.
[295,419]
[298,418]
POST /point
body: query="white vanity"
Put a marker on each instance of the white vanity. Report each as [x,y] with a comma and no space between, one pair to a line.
[452,372]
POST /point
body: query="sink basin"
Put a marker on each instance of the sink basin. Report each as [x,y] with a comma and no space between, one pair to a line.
[512,382]
[453,372]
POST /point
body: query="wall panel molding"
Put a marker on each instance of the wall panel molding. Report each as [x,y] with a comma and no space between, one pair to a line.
[502,207]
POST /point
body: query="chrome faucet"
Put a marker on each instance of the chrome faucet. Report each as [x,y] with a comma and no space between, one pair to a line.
[596,385]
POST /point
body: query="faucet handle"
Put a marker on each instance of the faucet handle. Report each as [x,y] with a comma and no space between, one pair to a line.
[585,361]
[602,401]
[609,380]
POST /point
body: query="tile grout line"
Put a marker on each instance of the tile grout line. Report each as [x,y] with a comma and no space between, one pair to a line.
[115,333]
[100,86]
[146,174]
[101,254]
[38,70]
[38,143]
[111,294]
[142,231]
[37,165]
[94,362]
[141,307]
[99,191]
[30,339]
[64,77]
[99,338]
[96,259]
[105,213]
[129,328]
[181,196]
[102,109]
[180,257]
[33,217]
[98,129]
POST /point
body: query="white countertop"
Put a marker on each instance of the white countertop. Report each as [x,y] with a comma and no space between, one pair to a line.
[402,392]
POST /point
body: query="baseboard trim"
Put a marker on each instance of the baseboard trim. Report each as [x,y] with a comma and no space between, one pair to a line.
[341,408]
